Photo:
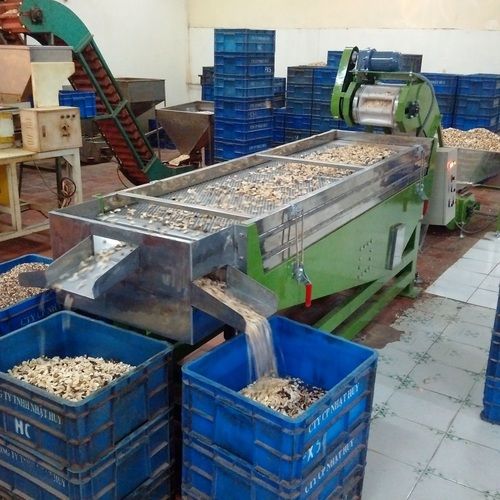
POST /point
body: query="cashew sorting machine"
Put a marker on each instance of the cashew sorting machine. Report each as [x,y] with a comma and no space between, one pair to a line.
[287,226]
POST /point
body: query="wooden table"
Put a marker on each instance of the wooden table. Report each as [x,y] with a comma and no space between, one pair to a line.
[9,160]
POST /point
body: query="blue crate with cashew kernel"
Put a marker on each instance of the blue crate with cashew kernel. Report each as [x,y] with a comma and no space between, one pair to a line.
[286,451]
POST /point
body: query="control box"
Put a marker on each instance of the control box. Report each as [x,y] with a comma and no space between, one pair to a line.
[51,128]
[442,203]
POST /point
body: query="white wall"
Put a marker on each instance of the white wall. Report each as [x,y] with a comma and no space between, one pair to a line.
[454,36]
[146,39]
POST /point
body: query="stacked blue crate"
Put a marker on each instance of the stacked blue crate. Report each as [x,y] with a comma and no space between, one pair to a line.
[111,444]
[243,91]
[234,447]
[299,96]
[445,88]
[279,93]
[324,81]
[491,399]
[279,126]
[477,102]
[207,83]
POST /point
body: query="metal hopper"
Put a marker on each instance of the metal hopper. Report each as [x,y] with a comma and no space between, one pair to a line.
[15,85]
[188,125]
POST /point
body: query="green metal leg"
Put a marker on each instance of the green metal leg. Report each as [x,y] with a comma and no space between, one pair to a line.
[351,317]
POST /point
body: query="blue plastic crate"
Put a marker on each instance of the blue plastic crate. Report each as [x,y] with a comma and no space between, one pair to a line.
[285,449]
[236,130]
[244,40]
[139,457]
[73,434]
[207,75]
[300,75]
[85,101]
[210,472]
[279,86]
[477,106]
[322,93]
[299,91]
[242,65]
[292,135]
[446,104]
[325,76]
[322,108]
[299,106]
[243,88]
[446,120]
[297,121]
[493,368]
[333,58]
[159,487]
[322,124]
[443,83]
[279,102]
[207,93]
[31,309]
[465,122]
[242,109]
[235,149]
[479,85]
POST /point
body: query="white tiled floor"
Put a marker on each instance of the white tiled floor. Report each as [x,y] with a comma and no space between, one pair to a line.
[475,277]
[427,441]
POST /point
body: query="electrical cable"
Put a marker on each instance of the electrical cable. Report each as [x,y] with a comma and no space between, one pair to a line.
[118,173]
[67,189]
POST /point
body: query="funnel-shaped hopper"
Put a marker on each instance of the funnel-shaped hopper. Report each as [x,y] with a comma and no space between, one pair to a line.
[142,93]
[15,61]
[188,125]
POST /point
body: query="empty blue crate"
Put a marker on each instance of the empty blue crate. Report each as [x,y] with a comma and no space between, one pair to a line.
[446,104]
[443,83]
[292,135]
[297,451]
[207,75]
[128,467]
[322,124]
[322,93]
[31,309]
[333,58]
[279,86]
[243,109]
[235,149]
[446,120]
[74,434]
[467,122]
[297,121]
[243,88]
[325,76]
[300,75]
[244,40]
[210,472]
[321,108]
[85,101]
[479,85]
[248,130]
[299,91]
[207,92]
[244,65]
[477,106]
[299,106]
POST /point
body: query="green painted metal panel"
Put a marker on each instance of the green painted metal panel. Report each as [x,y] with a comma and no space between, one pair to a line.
[353,255]
[56,19]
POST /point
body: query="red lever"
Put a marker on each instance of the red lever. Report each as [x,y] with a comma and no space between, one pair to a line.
[309,292]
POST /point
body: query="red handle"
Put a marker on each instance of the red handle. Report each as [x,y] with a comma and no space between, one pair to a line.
[309,292]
